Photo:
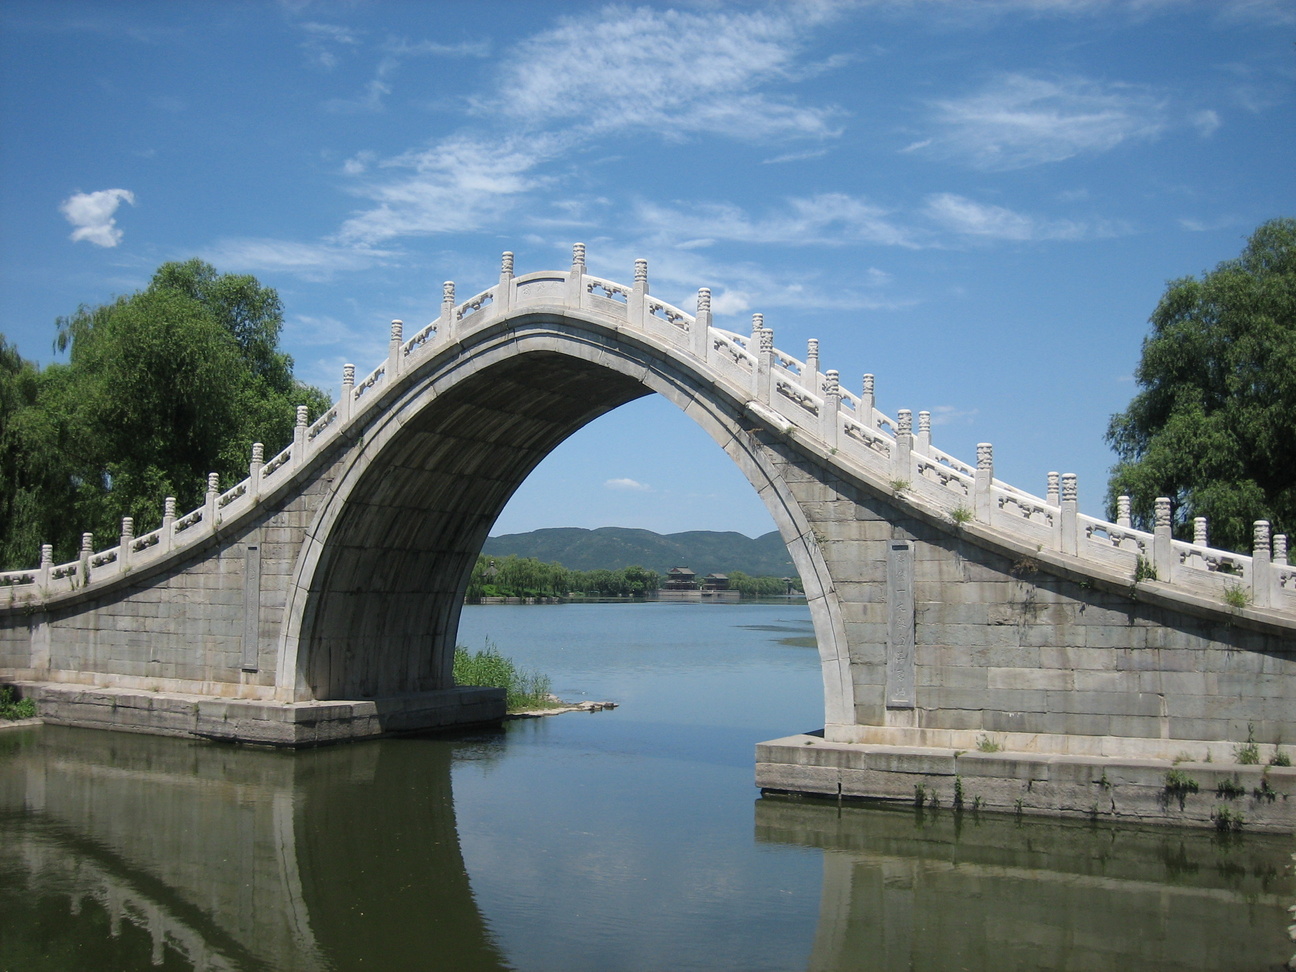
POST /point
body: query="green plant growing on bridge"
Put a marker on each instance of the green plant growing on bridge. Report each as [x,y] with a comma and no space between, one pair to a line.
[1144,570]
[900,486]
[1247,753]
[1236,596]
[1179,784]
[987,745]
[1230,789]
[1280,757]
[961,515]
[1227,820]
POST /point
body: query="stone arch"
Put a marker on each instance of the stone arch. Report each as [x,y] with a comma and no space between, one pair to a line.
[373,606]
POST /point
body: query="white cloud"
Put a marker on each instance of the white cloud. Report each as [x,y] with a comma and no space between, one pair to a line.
[950,414]
[1017,121]
[628,485]
[323,42]
[460,184]
[313,261]
[670,71]
[966,217]
[1206,122]
[92,215]
[827,218]
[400,47]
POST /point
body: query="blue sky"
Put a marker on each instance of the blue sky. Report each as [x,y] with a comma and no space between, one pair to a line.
[979,202]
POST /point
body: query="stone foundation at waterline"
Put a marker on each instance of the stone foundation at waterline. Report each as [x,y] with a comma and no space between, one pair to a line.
[1227,796]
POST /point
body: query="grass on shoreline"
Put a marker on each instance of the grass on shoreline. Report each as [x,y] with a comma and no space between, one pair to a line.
[523,689]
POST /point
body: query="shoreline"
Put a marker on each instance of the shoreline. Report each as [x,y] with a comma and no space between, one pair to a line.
[560,708]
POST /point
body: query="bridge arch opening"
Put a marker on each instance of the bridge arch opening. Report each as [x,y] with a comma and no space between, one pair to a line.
[375,605]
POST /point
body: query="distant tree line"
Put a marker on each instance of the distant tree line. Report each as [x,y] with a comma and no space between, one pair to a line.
[514,576]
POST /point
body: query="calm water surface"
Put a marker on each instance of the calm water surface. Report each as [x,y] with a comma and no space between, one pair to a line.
[630,839]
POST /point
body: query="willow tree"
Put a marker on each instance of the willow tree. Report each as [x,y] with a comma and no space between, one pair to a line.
[1213,425]
[160,388]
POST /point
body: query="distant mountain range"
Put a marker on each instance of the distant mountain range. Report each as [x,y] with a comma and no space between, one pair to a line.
[612,548]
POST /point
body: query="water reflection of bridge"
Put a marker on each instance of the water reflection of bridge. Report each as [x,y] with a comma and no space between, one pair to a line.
[914,890]
[224,859]
[235,859]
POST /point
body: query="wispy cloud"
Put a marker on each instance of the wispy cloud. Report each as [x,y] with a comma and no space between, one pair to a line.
[403,47]
[91,213]
[1017,121]
[670,71]
[966,217]
[324,42]
[312,261]
[628,486]
[459,184]
[827,218]
[1206,122]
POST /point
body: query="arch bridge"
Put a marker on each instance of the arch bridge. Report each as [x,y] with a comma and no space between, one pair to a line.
[319,599]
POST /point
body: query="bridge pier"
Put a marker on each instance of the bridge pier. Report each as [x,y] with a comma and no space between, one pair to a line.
[292,725]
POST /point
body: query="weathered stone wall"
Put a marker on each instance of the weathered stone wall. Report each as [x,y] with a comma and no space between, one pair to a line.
[980,642]
[205,624]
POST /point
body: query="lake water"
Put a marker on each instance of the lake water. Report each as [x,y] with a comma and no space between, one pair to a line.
[625,839]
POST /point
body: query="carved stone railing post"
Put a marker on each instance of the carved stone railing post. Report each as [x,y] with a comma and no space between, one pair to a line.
[504,295]
[209,507]
[811,377]
[346,400]
[902,455]
[1200,536]
[1280,549]
[635,304]
[764,338]
[168,522]
[87,549]
[1261,560]
[576,296]
[1162,550]
[395,356]
[828,418]
[700,338]
[923,440]
[254,469]
[124,545]
[867,403]
[1123,518]
[446,324]
[46,564]
[760,377]
[982,495]
[1053,492]
[1068,522]
[299,435]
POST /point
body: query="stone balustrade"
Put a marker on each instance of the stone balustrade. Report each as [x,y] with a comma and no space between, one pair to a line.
[785,395]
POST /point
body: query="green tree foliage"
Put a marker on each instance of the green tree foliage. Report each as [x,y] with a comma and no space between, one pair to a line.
[161,388]
[1214,424]
[751,587]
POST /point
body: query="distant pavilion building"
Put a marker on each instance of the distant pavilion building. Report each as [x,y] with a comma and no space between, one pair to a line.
[680,579]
